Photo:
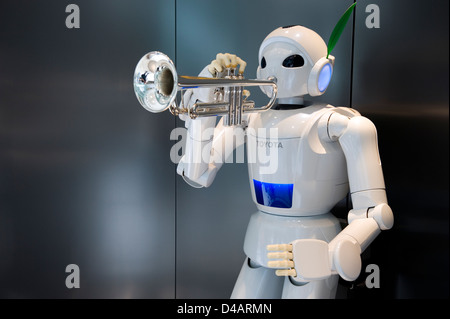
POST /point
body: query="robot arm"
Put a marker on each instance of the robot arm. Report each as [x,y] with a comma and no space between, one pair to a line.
[205,156]
[371,213]
[208,146]
[311,259]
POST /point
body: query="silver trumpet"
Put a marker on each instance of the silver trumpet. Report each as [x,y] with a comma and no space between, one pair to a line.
[156,84]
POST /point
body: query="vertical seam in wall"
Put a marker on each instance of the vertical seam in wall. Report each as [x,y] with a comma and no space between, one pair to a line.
[175,175]
[352,56]
[347,201]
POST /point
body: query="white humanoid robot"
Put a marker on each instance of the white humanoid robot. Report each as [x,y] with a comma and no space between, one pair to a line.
[295,247]
[321,152]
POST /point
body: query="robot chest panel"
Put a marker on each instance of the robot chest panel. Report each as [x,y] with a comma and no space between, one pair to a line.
[287,160]
[289,166]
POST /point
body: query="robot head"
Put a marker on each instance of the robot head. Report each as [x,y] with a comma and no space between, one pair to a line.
[296,57]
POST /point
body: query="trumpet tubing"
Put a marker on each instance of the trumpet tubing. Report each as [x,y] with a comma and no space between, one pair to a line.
[156,84]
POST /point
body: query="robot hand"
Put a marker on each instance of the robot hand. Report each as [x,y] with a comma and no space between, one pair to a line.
[226,60]
[214,69]
[312,259]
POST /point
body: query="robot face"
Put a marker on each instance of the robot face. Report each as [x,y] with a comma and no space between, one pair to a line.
[288,65]
[295,56]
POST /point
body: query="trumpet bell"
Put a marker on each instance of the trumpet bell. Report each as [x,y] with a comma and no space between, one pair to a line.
[155,82]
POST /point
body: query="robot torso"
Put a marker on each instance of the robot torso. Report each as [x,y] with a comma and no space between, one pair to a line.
[291,171]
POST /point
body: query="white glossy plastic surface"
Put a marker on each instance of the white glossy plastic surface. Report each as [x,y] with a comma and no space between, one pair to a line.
[346,247]
[257,282]
[369,198]
[311,259]
[320,76]
[198,146]
[304,39]
[360,145]
[261,283]
[383,216]
[266,229]
[347,260]
[293,81]
[316,169]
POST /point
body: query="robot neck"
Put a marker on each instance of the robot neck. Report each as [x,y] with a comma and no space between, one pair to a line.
[290,103]
[297,100]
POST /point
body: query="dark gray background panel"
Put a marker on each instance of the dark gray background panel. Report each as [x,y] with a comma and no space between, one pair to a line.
[401,83]
[85,171]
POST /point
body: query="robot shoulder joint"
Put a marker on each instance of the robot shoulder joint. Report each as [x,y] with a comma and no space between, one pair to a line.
[332,125]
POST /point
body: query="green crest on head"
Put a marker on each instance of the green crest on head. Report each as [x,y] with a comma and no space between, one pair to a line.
[340,26]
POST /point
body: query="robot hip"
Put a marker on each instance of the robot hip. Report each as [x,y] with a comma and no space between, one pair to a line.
[266,229]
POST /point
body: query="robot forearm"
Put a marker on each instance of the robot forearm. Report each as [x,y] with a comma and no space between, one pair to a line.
[205,156]
[195,166]
[345,249]
[195,161]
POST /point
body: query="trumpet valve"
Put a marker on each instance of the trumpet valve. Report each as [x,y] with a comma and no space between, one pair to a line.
[218,95]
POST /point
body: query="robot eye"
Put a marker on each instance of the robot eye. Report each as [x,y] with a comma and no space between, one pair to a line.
[263,63]
[293,61]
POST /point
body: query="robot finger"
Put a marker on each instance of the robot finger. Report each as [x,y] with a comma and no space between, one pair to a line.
[212,69]
[286,272]
[280,255]
[285,263]
[282,247]
[224,59]
[242,64]
[215,67]
[233,59]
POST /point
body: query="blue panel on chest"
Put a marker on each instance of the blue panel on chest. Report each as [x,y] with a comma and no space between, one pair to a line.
[273,195]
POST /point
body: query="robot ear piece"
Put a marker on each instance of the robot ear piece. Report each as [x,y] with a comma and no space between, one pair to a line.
[320,76]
